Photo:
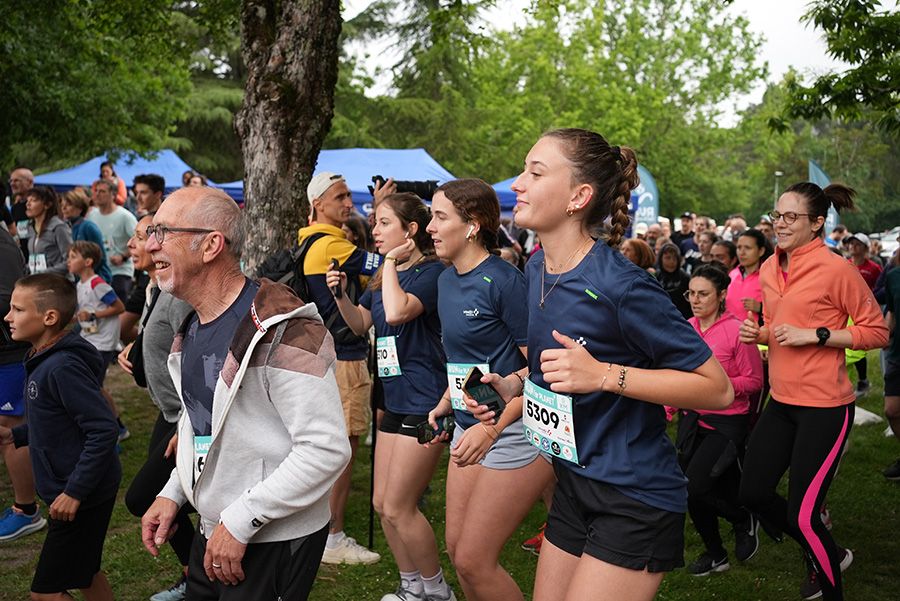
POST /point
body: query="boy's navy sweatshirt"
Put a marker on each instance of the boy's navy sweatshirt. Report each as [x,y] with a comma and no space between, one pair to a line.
[71,432]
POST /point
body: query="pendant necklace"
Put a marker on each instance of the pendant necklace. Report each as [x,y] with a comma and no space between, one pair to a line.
[562,268]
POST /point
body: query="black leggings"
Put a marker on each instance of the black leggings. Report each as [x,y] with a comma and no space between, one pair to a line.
[712,489]
[151,478]
[809,441]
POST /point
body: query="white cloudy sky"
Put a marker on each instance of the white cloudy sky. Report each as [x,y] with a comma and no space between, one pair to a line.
[788,42]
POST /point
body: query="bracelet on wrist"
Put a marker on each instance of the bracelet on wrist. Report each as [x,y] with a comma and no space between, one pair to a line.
[496,433]
[623,371]
[392,259]
[605,376]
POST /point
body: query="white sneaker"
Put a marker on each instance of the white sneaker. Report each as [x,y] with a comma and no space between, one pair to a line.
[350,552]
[403,594]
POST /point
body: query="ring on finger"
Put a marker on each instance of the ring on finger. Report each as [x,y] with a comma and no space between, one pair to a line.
[217,566]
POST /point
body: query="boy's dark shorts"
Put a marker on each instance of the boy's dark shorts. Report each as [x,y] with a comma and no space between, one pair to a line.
[72,550]
[891,377]
[591,517]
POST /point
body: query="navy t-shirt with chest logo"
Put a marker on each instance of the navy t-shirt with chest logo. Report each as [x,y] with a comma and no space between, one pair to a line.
[484,318]
[421,382]
[620,314]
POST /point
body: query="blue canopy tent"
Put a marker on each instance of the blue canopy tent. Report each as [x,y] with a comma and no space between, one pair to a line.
[359,165]
[507,197]
[167,164]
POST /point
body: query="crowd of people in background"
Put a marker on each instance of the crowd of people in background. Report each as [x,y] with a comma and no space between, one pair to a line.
[591,333]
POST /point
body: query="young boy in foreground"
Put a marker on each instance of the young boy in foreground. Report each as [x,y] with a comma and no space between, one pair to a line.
[71,433]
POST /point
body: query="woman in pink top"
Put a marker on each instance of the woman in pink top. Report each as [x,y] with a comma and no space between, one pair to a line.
[808,295]
[744,293]
[711,442]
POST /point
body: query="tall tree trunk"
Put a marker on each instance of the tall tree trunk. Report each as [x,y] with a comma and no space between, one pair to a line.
[290,49]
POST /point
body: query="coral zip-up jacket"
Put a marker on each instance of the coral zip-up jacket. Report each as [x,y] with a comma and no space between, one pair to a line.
[821,290]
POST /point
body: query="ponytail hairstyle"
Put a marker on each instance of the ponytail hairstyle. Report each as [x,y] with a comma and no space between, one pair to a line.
[818,200]
[611,171]
[409,208]
[476,200]
[717,273]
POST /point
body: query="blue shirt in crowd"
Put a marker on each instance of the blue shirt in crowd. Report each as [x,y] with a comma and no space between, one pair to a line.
[484,319]
[203,355]
[620,314]
[418,342]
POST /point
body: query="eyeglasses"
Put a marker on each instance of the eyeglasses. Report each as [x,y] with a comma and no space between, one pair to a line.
[701,294]
[159,232]
[789,217]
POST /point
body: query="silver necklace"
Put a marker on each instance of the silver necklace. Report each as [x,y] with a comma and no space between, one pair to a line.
[560,275]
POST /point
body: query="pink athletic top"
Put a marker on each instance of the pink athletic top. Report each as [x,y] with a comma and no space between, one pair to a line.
[741,362]
[741,287]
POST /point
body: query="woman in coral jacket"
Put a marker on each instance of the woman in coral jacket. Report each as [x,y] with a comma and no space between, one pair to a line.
[808,295]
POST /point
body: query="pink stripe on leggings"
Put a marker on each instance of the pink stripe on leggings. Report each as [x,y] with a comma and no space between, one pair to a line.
[808,507]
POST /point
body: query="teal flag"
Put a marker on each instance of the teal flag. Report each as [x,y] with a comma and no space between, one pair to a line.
[818,177]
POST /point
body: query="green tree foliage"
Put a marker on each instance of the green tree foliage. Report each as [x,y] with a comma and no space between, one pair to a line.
[651,74]
[862,34]
[83,77]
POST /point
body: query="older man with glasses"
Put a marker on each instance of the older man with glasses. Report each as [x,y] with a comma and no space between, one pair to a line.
[261,439]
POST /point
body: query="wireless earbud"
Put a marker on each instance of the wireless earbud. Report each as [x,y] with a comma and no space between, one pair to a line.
[470,231]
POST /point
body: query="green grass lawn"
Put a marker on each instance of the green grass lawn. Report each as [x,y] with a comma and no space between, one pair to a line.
[864,509]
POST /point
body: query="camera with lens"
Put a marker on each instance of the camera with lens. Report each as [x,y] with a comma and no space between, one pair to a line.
[424,189]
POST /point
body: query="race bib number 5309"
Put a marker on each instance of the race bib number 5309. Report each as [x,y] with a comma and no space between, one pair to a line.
[549,423]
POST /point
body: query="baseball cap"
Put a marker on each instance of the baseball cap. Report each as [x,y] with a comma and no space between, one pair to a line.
[320,183]
[641,228]
[687,215]
[858,237]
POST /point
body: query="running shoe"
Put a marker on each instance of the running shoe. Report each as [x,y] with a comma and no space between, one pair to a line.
[349,551]
[403,594]
[706,564]
[123,432]
[173,593]
[15,523]
[534,543]
[811,589]
[746,539]
[892,472]
[862,388]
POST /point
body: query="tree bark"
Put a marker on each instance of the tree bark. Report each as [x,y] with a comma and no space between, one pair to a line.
[290,49]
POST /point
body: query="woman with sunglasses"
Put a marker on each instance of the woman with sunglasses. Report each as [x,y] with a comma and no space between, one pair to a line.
[808,295]
[710,443]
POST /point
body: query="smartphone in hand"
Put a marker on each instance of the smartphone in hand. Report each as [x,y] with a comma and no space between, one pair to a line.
[484,394]
[425,434]
[336,290]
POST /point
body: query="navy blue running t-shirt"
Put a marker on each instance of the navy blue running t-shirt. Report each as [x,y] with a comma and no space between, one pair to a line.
[418,386]
[620,314]
[203,354]
[484,319]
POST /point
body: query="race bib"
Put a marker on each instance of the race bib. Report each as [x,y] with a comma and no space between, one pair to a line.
[201,450]
[549,423]
[22,229]
[456,375]
[388,361]
[37,263]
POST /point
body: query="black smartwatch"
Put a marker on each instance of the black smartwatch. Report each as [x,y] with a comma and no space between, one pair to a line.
[823,334]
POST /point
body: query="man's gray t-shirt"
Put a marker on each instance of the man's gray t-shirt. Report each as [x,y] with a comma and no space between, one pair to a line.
[203,355]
